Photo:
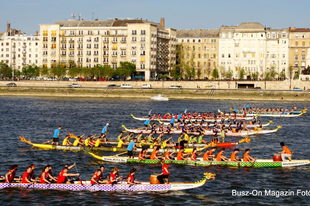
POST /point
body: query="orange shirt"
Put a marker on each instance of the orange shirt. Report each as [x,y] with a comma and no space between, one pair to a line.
[233,157]
[167,156]
[154,154]
[193,156]
[205,157]
[286,150]
[245,157]
[219,156]
[180,155]
[210,152]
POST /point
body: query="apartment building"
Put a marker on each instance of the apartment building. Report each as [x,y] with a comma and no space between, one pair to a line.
[18,50]
[149,45]
[242,47]
[199,49]
[277,50]
[299,48]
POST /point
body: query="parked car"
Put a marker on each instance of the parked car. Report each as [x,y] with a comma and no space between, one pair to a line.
[102,80]
[257,88]
[210,87]
[11,85]
[126,86]
[112,86]
[297,89]
[175,87]
[146,86]
[74,86]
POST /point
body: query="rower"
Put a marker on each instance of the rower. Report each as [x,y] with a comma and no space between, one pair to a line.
[96,177]
[165,174]
[63,176]
[233,157]
[66,141]
[150,138]
[51,173]
[102,179]
[168,155]
[120,142]
[32,171]
[172,120]
[181,155]
[143,142]
[10,176]
[113,179]
[164,144]
[105,129]
[56,136]
[206,156]
[285,153]
[78,141]
[147,123]
[27,176]
[131,177]
[119,136]
[150,112]
[131,147]
[155,155]
[88,142]
[220,156]
[194,154]
[247,157]
[200,139]
[45,176]
[142,154]
[100,140]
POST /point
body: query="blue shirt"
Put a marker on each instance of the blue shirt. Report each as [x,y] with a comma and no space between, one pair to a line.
[146,122]
[150,112]
[248,106]
[185,111]
[130,146]
[172,120]
[56,132]
[179,117]
[104,130]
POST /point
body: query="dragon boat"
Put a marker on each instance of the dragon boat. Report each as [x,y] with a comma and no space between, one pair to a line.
[192,119]
[226,125]
[207,133]
[112,148]
[272,114]
[200,162]
[123,186]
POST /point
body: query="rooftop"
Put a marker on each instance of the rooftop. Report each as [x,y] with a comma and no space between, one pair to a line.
[197,33]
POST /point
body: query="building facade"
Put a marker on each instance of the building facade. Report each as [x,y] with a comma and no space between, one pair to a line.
[299,48]
[150,46]
[199,50]
[18,50]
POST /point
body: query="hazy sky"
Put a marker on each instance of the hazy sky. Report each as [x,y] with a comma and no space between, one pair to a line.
[26,15]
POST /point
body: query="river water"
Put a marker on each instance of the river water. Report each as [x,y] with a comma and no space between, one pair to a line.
[37,118]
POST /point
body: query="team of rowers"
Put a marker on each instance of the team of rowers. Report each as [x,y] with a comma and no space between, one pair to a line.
[47,177]
[266,110]
[208,155]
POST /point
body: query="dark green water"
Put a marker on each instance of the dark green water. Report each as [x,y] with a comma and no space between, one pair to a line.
[36,119]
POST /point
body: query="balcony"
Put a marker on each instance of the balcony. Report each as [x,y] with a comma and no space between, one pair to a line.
[80,55]
[105,62]
[63,55]
[71,55]
[114,61]
[63,48]
[123,41]
[63,41]
[96,54]
[24,63]
[14,45]
[114,55]
[88,54]
[96,40]
[71,48]
[123,55]
[106,40]
[105,55]
[105,47]
[14,51]
[88,40]
[123,48]
[114,41]
[71,41]
[80,41]
[24,46]
[80,48]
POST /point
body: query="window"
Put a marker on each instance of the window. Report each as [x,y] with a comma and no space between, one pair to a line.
[283,55]
[303,58]
[142,53]
[296,57]
[193,48]
[134,39]
[134,32]
[223,55]
[143,38]
[80,32]
[142,32]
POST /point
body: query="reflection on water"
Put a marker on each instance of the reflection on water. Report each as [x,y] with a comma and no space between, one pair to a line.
[36,119]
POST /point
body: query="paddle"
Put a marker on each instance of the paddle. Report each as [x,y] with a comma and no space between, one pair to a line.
[31,183]
[79,175]
[119,154]
[48,141]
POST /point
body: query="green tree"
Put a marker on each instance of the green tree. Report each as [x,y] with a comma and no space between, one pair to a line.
[5,70]
[228,74]
[73,71]
[193,72]
[106,71]
[296,75]
[282,75]
[44,71]
[255,75]
[176,72]
[273,73]
[215,73]
[199,73]
[241,73]
[267,76]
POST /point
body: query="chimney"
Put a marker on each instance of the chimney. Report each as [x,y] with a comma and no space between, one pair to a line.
[8,29]
[36,33]
[162,22]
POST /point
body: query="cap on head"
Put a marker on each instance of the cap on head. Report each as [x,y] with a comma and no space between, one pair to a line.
[107,124]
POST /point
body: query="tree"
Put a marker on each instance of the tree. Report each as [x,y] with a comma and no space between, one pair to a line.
[241,73]
[282,75]
[290,74]
[5,70]
[268,76]
[199,72]
[215,73]
[273,73]
[44,71]
[176,72]
[255,75]
[193,73]
[296,75]
[228,74]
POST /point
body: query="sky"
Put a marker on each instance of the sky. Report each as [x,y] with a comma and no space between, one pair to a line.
[26,15]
